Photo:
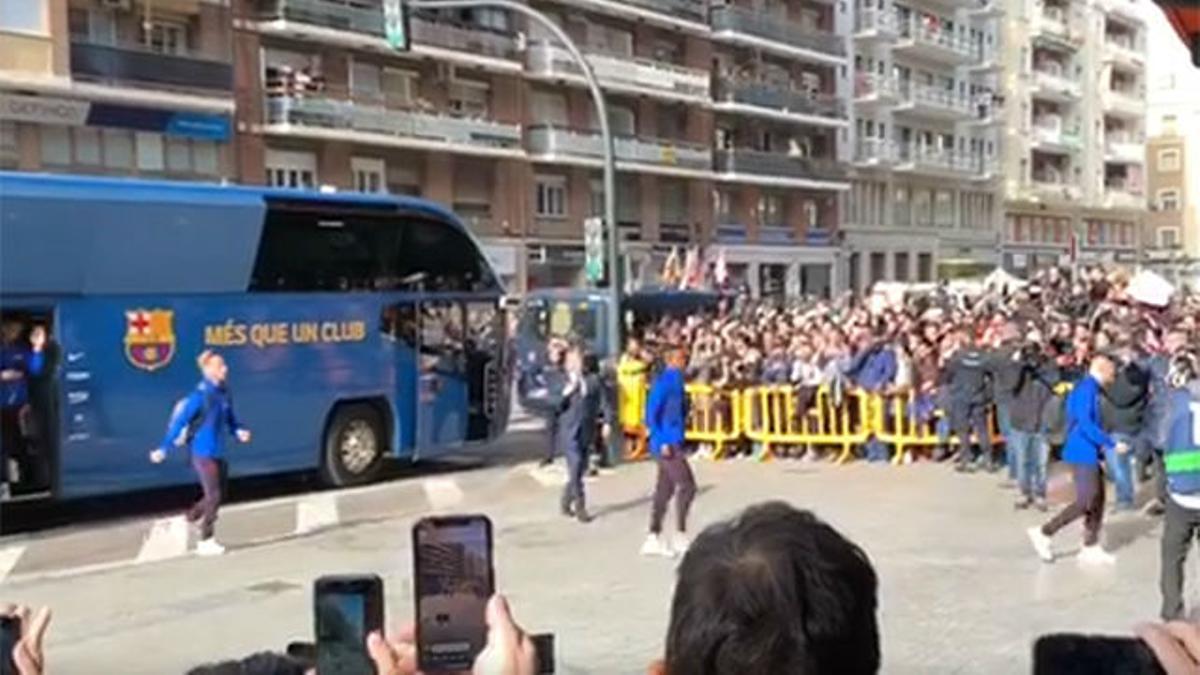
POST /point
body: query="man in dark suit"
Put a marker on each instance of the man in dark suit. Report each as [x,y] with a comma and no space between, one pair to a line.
[582,407]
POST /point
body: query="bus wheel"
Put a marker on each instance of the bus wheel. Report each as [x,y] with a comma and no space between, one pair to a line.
[354,446]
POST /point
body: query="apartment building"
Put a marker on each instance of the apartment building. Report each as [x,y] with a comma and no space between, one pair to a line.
[1075,151]
[121,87]
[1171,238]
[925,199]
[727,119]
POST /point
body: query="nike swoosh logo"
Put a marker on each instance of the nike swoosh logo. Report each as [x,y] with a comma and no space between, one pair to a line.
[72,357]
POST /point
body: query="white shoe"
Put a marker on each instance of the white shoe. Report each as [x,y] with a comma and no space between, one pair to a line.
[654,546]
[680,544]
[1041,544]
[1094,555]
[209,547]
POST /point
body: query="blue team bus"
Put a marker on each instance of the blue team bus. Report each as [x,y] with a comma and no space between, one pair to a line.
[356,327]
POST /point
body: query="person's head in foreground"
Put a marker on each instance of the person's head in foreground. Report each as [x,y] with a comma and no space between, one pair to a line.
[773,590]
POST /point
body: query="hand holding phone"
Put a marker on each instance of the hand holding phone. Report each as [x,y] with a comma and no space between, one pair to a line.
[21,635]
[346,610]
[10,635]
[454,579]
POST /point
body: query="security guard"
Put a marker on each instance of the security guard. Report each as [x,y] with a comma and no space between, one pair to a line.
[582,408]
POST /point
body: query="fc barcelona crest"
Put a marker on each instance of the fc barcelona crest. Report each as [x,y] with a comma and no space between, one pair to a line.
[149,337]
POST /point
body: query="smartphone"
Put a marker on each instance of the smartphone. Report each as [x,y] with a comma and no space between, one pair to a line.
[10,634]
[1077,654]
[454,578]
[346,609]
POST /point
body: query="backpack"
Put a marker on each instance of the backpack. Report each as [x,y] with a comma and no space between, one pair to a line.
[184,440]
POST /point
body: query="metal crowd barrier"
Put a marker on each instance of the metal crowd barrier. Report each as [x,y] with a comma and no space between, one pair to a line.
[773,416]
[901,425]
[714,417]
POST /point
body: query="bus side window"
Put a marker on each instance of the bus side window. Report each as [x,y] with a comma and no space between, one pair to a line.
[442,257]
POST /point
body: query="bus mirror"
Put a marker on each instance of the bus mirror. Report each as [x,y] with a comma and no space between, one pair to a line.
[510,302]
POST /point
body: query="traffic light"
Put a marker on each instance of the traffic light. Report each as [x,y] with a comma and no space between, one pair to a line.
[395,24]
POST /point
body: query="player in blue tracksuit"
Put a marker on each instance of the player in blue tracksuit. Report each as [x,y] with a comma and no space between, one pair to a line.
[666,422]
[1086,443]
[201,423]
[1181,458]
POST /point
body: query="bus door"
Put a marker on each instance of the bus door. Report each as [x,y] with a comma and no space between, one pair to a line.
[29,403]
[485,366]
[441,418]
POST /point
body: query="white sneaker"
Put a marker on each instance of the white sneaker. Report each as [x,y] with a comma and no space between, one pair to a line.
[1094,555]
[1041,544]
[680,544]
[654,546]
[209,547]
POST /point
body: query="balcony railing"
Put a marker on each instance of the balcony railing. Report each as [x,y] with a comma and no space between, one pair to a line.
[761,163]
[942,159]
[552,140]
[1126,51]
[130,63]
[938,38]
[875,85]
[1124,145]
[692,10]
[1123,194]
[875,20]
[1056,136]
[1055,82]
[366,17]
[935,97]
[334,113]
[1123,100]
[736,19]
[645,74]
[875,151]
[778,97]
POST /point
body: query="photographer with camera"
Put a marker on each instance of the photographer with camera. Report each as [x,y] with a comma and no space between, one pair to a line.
[1029,398]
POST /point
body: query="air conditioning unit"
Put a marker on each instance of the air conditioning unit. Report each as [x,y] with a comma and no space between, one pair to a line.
[123,5]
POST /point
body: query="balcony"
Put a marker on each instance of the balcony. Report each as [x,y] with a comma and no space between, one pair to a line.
[405,128]
[875,25]
[779,101]
[1053,86]
[688,10]
[1058,27]
[929,160]
[1123,102]
[1053,138]
[1124,147]
[1124,52]
[136,65]
[630,75]
[1123,195]
[875,152]
[875,89]
[557,143]
[1052,186]
[933,102]
[777,165]
[366,18]
[986,9]
[760,29]
[935,44]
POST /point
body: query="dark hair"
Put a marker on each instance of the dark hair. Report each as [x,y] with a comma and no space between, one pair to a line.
[262,663]
[774,590]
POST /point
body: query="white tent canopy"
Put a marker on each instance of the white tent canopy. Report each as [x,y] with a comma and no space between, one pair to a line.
[1150,288]
[1001,280]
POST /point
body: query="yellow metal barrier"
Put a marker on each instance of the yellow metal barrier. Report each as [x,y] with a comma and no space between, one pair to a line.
[771,417]
[902,429]
[714,416]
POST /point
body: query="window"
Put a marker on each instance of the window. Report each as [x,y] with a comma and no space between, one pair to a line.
[943,208]
[1168,237]
[149,151]
[118,148]
[901,209]
[87,145]
[1168,200]
[165,37]
[1168,159]
[723,206]
[673,202]
[8,145]
[922,208]
[901,267]
[551,197]
[368,174]
[469,97]
[179,155]
[549,108]
[878,267]
[204,158]
[333,250]
[812,220]
[770,209]
[26,16]
[924,267]
[291,169]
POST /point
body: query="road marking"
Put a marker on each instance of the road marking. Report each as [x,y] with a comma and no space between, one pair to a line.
[8,559]
[442,493]
[167,538]
[548,476]
[315,512]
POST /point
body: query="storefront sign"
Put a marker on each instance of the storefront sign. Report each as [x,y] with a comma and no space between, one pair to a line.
[43,110]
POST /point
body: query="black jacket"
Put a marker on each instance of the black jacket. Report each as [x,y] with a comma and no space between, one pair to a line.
[580,414]
[1034,389]
[1005,368]
[1123,408]
[966,378]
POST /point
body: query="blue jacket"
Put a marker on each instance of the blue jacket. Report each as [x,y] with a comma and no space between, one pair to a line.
[212,408]
[1181,456]
[1086,439]
[15,393]
[666,410]
[874,369]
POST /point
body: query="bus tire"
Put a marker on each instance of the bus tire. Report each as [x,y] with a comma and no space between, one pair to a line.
[355,444]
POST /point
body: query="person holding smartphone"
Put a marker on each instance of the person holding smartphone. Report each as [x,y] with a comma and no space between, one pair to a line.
[200,422]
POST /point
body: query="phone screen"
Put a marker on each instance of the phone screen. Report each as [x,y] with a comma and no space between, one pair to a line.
[1077,654]
[347,610]
[10,634]
[454,580]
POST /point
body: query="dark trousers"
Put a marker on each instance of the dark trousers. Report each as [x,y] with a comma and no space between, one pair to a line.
[1088,504]
[212,474]
[577,465]
[552,436]
[1180,528]
[674,478]
[11,443]
[964,421]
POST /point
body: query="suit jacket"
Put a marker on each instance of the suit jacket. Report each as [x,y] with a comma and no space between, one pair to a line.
[579,413]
